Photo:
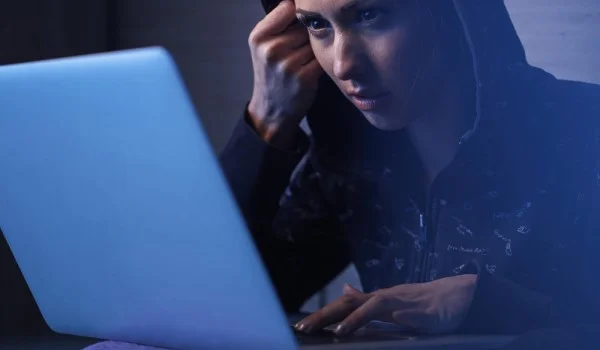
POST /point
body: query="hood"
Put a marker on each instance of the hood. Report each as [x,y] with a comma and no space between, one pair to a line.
[496,49]
[342,134]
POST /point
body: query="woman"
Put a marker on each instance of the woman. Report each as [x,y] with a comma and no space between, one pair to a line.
[461,181]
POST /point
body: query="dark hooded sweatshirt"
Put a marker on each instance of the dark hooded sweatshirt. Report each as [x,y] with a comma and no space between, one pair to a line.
[518,205]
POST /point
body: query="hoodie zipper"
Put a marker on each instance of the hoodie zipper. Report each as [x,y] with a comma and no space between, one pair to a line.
[431,224]
[422,253]
[427,237]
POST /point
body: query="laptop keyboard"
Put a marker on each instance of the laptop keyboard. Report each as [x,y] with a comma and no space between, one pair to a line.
[326,336]
[323,336]
[376,332]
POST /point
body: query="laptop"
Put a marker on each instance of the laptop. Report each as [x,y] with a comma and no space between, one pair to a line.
[116,210]
[114,206]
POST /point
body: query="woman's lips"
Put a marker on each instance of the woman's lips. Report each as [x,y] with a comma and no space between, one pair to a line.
[368,103]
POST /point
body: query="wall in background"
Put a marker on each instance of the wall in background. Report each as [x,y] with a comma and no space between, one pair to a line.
[560,36]
[208,40]
[41,29]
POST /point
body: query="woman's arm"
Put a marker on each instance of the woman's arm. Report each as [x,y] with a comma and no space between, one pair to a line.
[558,290]
[501,306]
[294,232]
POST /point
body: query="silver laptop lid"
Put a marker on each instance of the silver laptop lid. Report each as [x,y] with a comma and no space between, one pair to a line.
[116,210]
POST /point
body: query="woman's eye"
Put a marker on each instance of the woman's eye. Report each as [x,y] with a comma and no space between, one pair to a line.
[316,24]
[368,15]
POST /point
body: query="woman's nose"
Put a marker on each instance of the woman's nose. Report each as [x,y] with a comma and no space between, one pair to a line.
[346,65]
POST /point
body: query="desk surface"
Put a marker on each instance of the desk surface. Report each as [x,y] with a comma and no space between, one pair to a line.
[46,343]
[446,343]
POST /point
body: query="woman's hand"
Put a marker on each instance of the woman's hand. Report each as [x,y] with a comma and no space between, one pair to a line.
[433,307]
[286,74]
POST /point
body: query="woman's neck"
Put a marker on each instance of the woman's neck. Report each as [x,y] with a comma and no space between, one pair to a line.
[436,134]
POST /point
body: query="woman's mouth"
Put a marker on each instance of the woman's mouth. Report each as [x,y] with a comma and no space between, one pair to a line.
[368,102]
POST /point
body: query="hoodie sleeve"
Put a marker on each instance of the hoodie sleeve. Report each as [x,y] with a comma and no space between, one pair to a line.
[287,215]
[564,293]
[563,289]
[501,306]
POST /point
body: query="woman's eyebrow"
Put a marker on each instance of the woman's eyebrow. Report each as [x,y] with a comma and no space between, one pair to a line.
[349,7]
[308,13]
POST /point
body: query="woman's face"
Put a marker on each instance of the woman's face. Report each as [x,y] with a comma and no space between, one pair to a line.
[372,50]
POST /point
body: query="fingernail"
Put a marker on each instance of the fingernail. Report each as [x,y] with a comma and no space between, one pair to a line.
[300,326]
[339,330]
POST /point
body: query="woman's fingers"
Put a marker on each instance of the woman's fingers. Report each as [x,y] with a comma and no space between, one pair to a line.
[276,21]
[297,59]
[413,319]
[332,313]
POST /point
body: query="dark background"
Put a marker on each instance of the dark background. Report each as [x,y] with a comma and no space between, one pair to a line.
[207,38]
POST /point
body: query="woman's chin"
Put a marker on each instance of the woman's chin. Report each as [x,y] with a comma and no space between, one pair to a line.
[384,122]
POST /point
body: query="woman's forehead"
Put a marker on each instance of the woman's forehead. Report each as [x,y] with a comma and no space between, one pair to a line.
[338,6]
